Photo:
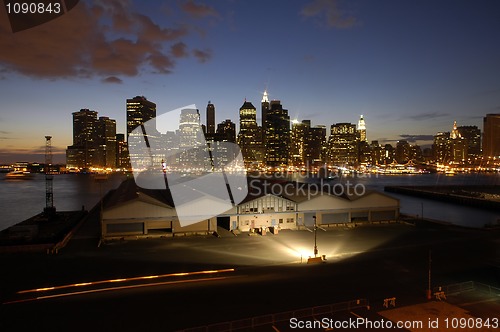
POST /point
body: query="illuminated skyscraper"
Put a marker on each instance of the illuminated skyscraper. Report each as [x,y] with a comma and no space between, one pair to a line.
[491,135]
[210,121]
[362,129]
[307,145]
[441,147]
[142,112]
[226,131]
[457,145]
[250,135]
[342,144]
[139,111]
[473,136]
[82,153]
[277,135]
[264,109]
[106,142]
[403,152]
[191,140]
[122,159]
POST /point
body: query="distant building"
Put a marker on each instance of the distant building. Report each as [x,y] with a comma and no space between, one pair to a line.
[226,131]
[441,147]
[106,142]
[402,152]
[343,145]
[264,109]
[491,135]
[307,144]
[210,131]
[473,136]
[141,112]
[376,153]
[277,135]
[250,135]
[388,154]
[94,141]
[362,129]
[458,146]
[122,158]
[82,153]
[192,143]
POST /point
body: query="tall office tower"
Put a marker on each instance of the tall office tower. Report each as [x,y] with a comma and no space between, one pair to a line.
[315,144]
[298,141]
[105,142]
[402,152]
[473,136]
[250,135]
[364,152]
[277,135]
[441,147]
[491,135]
[142,112]
[416,153]
[226,132]
[307,144]
[388,154]
[82,153]
[264,109]
[210,133]
[193,149]
[122,159]
[139,111]
[457,145]
[342,144]
[376,153]
[362,129]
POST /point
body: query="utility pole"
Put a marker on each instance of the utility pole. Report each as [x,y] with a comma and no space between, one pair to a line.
[429,290]
[49,210]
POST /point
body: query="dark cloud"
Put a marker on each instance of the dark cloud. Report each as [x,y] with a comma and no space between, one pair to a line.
[179,50]
[96,38]
[199,10]
[329,13]
[428,116]
[112,80]
[415,138]
[202,56]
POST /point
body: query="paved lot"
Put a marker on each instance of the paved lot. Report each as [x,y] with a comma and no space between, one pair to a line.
[373,262]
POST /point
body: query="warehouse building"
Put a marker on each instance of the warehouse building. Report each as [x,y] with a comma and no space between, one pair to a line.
[268,206]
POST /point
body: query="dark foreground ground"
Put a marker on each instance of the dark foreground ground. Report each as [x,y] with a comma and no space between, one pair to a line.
[367,262]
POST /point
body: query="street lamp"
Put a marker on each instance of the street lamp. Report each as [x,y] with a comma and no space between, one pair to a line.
[315,240]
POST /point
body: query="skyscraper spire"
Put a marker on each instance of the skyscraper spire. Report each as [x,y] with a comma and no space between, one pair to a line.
[455,133]
[265,99]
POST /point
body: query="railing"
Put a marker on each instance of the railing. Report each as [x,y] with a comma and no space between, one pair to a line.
[280,317]
[466,287]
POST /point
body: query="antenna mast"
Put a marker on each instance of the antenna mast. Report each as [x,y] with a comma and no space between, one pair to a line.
[49,193]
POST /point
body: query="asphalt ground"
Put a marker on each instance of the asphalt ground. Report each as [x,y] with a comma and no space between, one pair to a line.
[372,262]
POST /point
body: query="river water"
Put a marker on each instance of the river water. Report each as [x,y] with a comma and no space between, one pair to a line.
[21,199]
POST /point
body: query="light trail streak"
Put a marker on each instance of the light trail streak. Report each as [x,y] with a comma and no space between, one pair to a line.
[116,288]
[92,283]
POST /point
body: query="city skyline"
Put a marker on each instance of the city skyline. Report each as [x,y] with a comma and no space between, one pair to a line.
[409,79]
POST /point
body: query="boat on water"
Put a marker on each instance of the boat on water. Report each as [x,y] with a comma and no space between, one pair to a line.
[19,171]
[19,175]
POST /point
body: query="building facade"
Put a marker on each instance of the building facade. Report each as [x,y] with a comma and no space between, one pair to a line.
[491,135]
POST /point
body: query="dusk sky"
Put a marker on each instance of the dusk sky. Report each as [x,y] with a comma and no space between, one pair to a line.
[410,67]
